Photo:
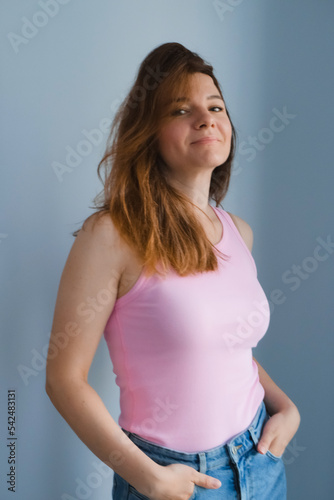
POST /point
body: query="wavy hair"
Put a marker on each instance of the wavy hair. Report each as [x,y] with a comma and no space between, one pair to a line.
[151,216]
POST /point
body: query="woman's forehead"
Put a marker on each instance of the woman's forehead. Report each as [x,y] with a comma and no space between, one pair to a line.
[191,84]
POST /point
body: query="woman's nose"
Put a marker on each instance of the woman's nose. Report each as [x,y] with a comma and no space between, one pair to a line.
[204,119]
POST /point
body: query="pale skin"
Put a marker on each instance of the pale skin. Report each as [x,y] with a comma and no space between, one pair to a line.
[100,259]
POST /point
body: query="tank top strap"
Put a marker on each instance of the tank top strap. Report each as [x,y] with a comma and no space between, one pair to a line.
[229,223]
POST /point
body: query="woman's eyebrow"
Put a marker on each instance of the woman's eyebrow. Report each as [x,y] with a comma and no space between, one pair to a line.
[182,99]
[215,97]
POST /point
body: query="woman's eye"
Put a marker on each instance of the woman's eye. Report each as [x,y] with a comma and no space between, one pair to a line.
[180,111]
[183,111]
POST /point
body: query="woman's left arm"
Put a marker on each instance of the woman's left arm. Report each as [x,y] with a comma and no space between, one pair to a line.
[285,417]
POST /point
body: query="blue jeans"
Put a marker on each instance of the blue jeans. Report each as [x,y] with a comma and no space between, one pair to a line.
[245,473]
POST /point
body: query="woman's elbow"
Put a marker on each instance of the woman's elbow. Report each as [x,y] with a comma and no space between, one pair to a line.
[58,383]
[51,384]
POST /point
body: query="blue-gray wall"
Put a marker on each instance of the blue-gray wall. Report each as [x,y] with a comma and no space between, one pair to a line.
[66,77]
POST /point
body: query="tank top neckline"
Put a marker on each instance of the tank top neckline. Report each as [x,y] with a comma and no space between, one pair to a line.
[142,278]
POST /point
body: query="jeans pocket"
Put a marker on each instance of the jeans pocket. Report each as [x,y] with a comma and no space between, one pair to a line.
[133,494]
[272,456]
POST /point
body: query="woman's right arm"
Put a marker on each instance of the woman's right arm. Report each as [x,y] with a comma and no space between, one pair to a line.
[92,270]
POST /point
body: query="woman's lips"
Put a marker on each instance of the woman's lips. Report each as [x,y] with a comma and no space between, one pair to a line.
[205,140]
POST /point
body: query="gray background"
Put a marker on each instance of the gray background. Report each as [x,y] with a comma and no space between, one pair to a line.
[68,76]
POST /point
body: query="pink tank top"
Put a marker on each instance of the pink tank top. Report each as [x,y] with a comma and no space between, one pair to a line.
[181,349]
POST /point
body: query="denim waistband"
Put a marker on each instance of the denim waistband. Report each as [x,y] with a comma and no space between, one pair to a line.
[213,457]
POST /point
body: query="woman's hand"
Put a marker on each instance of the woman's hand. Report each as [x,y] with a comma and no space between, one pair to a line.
[279,430]
[177,482]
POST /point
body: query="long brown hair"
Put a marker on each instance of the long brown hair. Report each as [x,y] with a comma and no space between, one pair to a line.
[153,217]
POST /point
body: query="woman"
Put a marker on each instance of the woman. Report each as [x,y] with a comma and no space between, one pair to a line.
[171,283]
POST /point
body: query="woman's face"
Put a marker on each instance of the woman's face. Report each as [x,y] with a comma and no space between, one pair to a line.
[198,133]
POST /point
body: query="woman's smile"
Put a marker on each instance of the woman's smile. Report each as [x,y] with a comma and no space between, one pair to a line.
[206,140]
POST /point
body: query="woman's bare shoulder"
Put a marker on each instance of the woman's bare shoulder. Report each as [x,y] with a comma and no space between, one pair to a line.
[244,229]
[99,238]
[101,226]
